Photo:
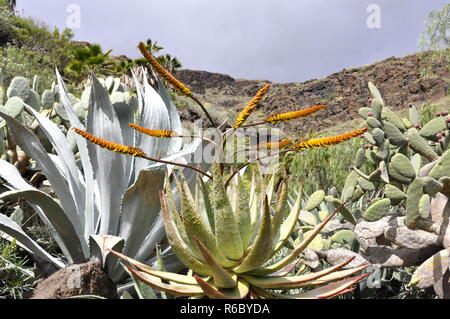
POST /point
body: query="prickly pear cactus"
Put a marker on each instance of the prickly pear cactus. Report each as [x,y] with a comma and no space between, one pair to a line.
[19,87]
[407,195]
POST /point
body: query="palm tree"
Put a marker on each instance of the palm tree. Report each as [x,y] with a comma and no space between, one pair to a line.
[170,63]
[153,48]
[124,66]
[88,59]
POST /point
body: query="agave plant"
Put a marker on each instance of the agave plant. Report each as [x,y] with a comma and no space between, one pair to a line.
[104,199]
[228,238]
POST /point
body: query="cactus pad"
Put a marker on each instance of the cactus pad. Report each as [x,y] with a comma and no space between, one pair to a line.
[315,200]
[377,210]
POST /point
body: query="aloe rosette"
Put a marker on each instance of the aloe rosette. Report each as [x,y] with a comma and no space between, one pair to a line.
[228,238]
[104,199]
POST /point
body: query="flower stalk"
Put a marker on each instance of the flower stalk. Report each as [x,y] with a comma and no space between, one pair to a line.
[131,151]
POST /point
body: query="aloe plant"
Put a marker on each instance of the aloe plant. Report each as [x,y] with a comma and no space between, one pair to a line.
[104,199]
[227,237]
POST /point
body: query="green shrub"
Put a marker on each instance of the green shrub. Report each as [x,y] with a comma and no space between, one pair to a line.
[15,280]
[25,62]
[324,168]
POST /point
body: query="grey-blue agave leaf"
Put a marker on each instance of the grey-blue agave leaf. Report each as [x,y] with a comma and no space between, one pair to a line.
[12,229]
[140,208]
[11,175]
[14,181]
[126,115]
[155,116]
[153,238]
[140,97]
[91,217]
[100,246]
[31,146]
[175,120]
[67,158]
[55,214]
[109,167]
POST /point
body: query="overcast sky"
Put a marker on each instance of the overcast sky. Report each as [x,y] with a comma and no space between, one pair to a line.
[281,41]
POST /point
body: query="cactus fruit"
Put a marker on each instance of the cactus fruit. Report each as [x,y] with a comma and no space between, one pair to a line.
[364,111]
[315,200]
[377,210]
[19,87]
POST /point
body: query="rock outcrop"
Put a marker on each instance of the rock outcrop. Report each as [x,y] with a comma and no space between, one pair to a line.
[398,79]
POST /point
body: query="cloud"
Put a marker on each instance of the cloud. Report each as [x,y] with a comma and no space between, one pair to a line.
[283,41]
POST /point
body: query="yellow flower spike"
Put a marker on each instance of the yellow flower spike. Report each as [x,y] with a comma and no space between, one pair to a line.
[163,73]
[118,148]
[154,133]
[275,145]
[327,141]
[278,118]
[245,113]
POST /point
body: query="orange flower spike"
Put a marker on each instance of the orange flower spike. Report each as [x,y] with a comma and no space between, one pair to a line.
[245,113]
[154,133]
[275,145]
[163,73]
[327,141]
[114,147]
[278,118]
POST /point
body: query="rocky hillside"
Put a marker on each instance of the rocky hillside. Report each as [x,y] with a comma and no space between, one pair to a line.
[398,80]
